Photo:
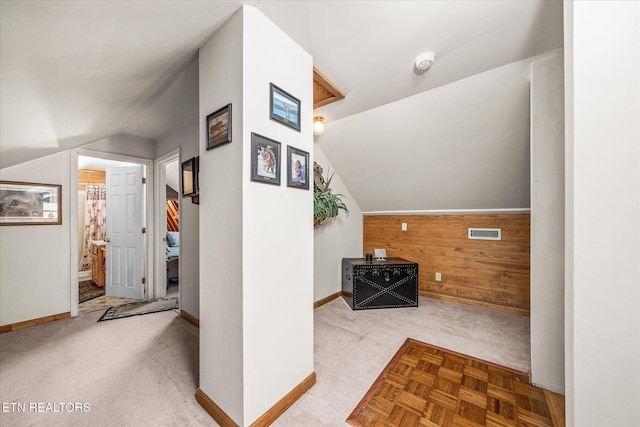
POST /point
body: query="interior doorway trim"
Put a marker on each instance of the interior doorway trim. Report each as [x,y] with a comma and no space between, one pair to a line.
[73,217]
[160,211]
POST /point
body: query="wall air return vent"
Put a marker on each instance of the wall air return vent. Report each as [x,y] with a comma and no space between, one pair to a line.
[485,233]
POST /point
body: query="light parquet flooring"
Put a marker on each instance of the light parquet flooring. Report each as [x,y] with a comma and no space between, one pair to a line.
[101,303]
[424,385]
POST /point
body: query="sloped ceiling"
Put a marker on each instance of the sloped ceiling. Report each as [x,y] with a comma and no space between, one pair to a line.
[73,72]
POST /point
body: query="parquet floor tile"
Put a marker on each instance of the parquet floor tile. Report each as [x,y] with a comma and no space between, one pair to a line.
[427,386]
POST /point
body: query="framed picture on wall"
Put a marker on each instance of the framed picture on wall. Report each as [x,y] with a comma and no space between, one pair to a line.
[28,203]
[284,108]
[190,177]
[265,159]
[219,127]
[297,162]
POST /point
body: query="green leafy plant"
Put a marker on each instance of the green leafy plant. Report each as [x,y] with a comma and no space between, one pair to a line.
[326,204]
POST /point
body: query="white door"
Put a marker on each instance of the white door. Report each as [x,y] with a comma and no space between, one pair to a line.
[125,239]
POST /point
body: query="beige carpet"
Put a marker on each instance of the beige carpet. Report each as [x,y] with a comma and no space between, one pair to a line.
[143,370]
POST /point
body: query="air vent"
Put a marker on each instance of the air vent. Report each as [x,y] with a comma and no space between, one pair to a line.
[485,233]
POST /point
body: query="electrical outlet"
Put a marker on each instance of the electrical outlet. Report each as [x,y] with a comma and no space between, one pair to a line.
[404,226]
[438,277]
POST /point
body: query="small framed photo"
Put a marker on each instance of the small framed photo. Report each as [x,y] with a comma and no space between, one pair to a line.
[298,162]
[284,108]
[219,127]
[265,159]
[28,203]
[190,177]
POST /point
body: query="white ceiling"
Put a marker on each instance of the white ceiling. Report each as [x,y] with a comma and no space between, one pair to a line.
[73,72]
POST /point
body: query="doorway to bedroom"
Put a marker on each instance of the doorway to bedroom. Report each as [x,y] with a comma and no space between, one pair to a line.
[172,235]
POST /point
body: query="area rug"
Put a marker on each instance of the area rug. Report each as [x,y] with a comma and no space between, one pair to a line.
[138,308]
[87,290]
[424,385]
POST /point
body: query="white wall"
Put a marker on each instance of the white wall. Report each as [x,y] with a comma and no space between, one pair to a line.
[256,288]
[547,222]
[124,144]
[277,225]
[340,238]
[460,146]
[603,213]
[221,305]
[186,138]
[35,260]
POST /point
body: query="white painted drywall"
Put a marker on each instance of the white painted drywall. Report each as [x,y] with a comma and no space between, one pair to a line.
[603,213]
[340,238]
[125,144]
[547,222]
[35,259]
[277,223]
[460,146]
[186,138]
[221,304]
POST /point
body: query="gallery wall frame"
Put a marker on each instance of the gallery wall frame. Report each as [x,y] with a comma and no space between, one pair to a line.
[218,127]
[265,159]
[190,172]
[29,203]
[298,168]
[284,108]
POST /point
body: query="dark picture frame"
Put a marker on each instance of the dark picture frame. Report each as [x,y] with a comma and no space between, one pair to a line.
[298,168]
[265,159]
[218,127]
[190,177]
[284,108]
[29,203]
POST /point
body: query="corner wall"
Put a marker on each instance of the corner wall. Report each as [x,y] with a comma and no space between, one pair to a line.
[186,138]
[341,238]
[35,259]
[547,222]
[602,304]
[256,240]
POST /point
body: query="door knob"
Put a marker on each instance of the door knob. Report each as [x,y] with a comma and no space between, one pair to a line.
[107,240]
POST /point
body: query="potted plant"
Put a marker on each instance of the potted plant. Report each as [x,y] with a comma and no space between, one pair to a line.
[326,203]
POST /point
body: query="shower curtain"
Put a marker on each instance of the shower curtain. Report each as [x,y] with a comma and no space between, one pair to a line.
[94,219]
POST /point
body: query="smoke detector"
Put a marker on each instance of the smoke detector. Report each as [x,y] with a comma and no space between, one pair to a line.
[424,60]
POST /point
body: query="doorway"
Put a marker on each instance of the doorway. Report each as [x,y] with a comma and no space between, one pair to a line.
[101,266]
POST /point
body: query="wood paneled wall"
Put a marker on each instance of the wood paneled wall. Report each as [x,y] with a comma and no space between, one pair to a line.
[486,273]
[88,176]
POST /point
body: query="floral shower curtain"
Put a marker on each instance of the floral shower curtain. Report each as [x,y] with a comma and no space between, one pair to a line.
[95,221]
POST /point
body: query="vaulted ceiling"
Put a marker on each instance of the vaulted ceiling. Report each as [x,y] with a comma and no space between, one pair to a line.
[73,72]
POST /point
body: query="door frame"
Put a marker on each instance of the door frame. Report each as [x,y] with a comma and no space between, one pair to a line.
[160,211]
[73,218]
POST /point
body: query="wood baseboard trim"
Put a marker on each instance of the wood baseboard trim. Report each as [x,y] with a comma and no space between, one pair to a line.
[497,307]
[190,318]
[283,404]
[34,322]
[214,410]
[325,300]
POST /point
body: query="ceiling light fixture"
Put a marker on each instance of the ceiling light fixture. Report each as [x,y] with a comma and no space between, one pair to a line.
[424,60]
[318,125]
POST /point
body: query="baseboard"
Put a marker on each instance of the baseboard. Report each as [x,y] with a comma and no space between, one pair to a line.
[190,318]
[214,410]
[325,300]
[283,404]
[34,322]
[503,308]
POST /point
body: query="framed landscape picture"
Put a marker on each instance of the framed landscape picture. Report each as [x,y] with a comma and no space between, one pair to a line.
[219,127]
[265,159]
[27,203]
[284,108]
[298,162]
